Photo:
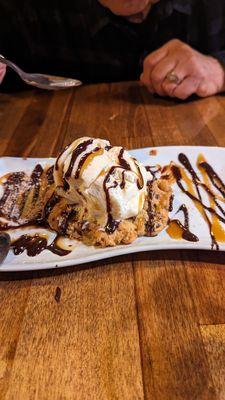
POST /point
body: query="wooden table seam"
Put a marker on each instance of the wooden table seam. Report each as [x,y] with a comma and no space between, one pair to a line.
[139,334]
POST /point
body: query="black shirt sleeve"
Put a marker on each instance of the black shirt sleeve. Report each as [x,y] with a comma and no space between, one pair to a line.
[220,55]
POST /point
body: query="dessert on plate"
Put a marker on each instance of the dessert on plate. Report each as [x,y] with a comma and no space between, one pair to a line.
[95,192]
[106,196]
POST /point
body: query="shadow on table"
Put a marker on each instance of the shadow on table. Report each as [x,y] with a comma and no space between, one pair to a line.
[213,259]
[135,93]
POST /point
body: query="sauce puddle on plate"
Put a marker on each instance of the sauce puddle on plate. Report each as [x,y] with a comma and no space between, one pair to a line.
[35,244]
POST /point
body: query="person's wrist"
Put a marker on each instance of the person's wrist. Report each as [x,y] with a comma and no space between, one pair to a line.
[219,73]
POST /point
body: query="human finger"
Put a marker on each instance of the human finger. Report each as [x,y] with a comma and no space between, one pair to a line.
[188,87]
[206,89]
[149,62]
[180,72]
[146,82]
[159,73]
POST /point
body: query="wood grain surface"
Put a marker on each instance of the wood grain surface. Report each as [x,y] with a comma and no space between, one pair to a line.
[149,326]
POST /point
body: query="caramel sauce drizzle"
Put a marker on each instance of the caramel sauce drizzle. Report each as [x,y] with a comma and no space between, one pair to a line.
[192,190]
[78,150]
[86,160]
[177,230]
[140,202]
[212,175]
[209,175]
[140,181]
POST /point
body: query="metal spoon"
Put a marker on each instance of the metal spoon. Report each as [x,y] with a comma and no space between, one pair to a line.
[41,81]
[4,245]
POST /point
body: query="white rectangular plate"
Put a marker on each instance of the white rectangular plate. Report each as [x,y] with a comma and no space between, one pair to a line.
[84,254]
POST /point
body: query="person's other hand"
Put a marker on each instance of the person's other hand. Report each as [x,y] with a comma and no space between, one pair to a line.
[196,73]
[2,71]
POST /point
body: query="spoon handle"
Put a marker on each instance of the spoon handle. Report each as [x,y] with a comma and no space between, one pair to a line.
[4,245]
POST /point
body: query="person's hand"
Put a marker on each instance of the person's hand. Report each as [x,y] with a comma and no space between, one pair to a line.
[2,71]
[177,70]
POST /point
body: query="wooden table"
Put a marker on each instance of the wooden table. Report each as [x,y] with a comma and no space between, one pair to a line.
[147,326]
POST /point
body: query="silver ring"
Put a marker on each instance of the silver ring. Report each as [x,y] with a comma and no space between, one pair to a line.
[173,78]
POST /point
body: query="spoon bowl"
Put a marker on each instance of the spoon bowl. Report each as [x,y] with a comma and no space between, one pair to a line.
[42,81]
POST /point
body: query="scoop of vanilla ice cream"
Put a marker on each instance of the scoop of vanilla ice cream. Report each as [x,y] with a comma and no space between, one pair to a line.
[105,179]
[87,154]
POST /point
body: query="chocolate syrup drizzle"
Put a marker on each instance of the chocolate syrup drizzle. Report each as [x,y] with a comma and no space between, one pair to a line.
[66,217]
[83,159]
[60,155]
[111,224]
[107,148]
[150,223]
[154,169]
[35,181]
[140,181]
[51,203]
[217,183]
[123,182]
[35,244]
[214,178]
[78,150]
[171,203]
[186,233]
[49,174]
[124,164]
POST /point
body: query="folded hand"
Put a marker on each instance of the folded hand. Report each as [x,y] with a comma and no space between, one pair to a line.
[193,72]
